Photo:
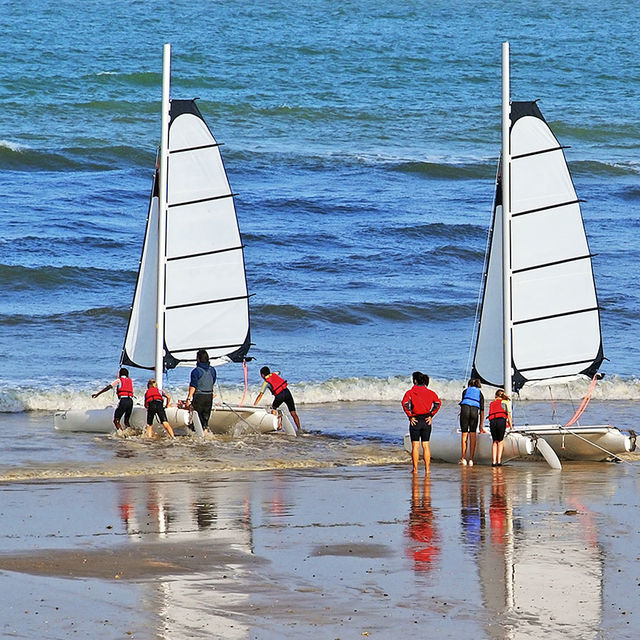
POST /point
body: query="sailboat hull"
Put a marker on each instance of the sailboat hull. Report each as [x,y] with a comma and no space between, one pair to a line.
[588,443]
[445,446]
[225,419]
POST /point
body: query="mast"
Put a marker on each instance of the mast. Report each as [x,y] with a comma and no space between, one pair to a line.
[506,222]
[162,212]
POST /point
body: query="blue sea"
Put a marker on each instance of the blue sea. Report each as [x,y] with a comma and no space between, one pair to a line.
[361,138]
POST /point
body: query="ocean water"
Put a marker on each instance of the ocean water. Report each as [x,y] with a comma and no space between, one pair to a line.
[361,139]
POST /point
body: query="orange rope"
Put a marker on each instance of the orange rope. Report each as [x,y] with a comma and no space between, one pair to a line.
[584,403]
[246,381]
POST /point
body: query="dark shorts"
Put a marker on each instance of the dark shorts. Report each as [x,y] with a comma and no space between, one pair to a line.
[420,430]
[155,408]
[201,403]
[469,418]
[286,397]
[124,408]
[498,427]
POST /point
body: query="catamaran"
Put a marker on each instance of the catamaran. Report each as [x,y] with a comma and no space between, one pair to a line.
[540,318]
[539,321]
[191,291]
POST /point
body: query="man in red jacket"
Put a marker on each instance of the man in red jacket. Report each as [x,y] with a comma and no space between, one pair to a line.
[420,404]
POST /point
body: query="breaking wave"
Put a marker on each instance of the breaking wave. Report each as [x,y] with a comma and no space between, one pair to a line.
[363,389]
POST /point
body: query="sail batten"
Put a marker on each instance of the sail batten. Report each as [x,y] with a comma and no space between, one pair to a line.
[192,202]
[196,304]
[202,146]
[554,315]
[538,152]
[205,253]
[553,264]
[555,205]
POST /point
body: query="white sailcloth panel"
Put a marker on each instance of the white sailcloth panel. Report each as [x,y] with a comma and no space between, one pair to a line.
[205,275]
[554,305]
[564,341]
[186,325]
[488,361]
[139,343]
[548,236]
[209,277]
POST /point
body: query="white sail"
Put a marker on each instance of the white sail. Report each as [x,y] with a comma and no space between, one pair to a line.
[555,320]
[205,300]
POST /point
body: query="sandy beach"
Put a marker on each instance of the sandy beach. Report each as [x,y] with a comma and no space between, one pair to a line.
[349,552]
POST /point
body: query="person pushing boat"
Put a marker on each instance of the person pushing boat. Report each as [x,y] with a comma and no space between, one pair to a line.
[281,393]
[201,381]
[471,408]
[123,386]
[499,421]
[154,402]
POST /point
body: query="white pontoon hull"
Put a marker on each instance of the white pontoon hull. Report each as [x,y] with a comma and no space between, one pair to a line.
[445,446]
[225,419]
[588,443]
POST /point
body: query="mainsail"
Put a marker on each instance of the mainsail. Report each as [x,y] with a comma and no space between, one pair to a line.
[205,299]
[554,316]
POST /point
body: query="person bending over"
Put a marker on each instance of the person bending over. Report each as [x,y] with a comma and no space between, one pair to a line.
[281,393]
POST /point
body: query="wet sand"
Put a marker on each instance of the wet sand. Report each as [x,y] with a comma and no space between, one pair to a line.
[520,551]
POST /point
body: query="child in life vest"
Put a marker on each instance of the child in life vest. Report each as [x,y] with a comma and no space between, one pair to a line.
[499,420]
[154,402]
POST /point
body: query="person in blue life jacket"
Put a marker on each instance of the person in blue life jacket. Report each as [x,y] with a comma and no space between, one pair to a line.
[124,390]
[281,393]
[471,415]
[201,381]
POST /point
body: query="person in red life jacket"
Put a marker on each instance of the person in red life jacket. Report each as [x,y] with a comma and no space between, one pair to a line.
[154,402]
[499,420]
[281,394]
[471,408]
[420,404]
[124,390]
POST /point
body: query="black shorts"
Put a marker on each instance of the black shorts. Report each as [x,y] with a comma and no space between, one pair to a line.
[420,430]
[498,427]
[155,408]
[124,408]
[469,418]
[201,404]
[286,397]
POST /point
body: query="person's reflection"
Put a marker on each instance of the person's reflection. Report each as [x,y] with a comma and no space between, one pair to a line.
[126,508]
[498,509]
[471,509]
[421,528]
[205,513]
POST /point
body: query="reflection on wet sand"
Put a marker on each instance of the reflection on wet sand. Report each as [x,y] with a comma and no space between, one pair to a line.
[504,554]
[424,548]
[535,573]
[188,514]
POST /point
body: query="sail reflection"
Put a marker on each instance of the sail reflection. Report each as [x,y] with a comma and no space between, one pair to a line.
[185,516]
[538,562]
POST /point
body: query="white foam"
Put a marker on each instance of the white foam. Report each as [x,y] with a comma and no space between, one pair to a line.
[12,146]
[373,390]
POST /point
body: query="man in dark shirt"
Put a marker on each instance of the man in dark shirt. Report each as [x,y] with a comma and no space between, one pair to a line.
[201,382]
